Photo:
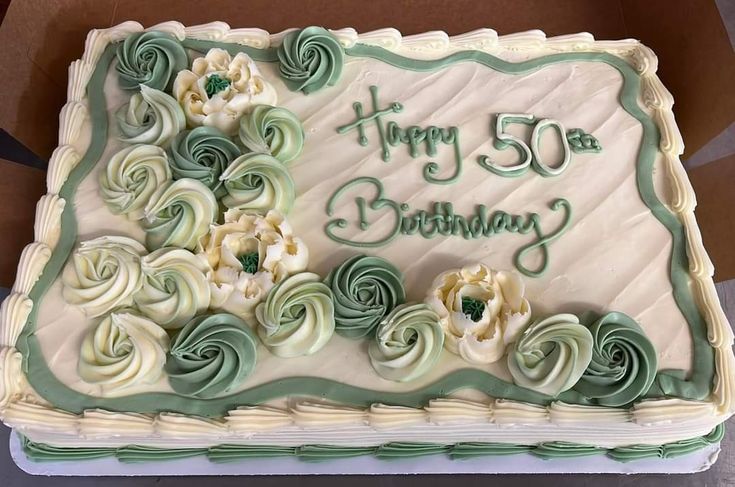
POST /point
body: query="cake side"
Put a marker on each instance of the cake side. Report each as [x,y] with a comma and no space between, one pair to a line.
[17,307]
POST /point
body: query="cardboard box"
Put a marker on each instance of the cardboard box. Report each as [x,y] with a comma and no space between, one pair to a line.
[41,37]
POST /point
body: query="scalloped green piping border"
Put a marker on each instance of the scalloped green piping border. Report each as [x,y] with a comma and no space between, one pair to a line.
[40,452]
[49,387]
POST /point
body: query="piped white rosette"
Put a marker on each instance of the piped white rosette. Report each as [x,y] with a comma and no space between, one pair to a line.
[131,177]
[499,311]
[150,117]
[175,287]
[103,274]
[123,350]
[248,255]
[219,89]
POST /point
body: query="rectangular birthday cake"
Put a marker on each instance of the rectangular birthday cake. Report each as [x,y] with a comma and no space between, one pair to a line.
[325,244]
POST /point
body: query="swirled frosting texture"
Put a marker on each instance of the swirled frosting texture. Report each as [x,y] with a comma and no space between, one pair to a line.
[551,354]
[297,317]
[272,130]
[123,350]
[151,59]
[258,182]
[211,355]
[103,274]
[175,287]
[268,238]
[623,364]
[407,343]
[365,290]
[150,117]
[179,214]
[310,59]
[503,311]
[131,177]
[202,154]
[239,86]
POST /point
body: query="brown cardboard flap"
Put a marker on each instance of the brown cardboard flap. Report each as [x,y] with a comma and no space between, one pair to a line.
[21,187]
[714,184]
[696,62]
[39,40]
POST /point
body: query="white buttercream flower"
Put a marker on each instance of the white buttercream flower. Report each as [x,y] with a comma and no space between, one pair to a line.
[249,254]
[219,89]
[481,311]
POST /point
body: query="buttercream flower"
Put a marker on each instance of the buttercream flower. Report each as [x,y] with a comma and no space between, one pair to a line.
[131,177]
[249,254]
[175,287]
[481,311]
[150,117]
[123,350]
[623,364]
[211,355]
[103,274]
[149,58]
[408,343]
[219,89]
[551,354]
[297,318]
[310,59]
[272,130]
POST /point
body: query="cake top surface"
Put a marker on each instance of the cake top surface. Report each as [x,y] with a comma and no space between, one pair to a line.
[236,218]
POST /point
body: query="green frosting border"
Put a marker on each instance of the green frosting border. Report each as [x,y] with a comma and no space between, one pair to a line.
[49,387]
[227,453]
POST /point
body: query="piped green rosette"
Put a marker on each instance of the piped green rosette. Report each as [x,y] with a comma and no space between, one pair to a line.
[310,59]
[272,130]
[131,177]
[297,317]
[202,154]
[258,182]
[623,364]
[150,58]
[551,354]
[407,344]
[179,214]
[211,355]
[365,290]
[150,117]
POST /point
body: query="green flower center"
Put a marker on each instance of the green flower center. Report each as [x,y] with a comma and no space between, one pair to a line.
[250,262]
[473,308]
[215,84]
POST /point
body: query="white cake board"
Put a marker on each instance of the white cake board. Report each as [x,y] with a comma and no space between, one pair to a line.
[435,464]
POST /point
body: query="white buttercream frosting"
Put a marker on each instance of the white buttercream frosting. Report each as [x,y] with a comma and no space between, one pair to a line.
[280,254]
[506,311]
[222,109]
